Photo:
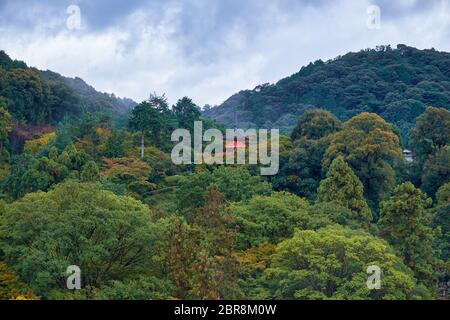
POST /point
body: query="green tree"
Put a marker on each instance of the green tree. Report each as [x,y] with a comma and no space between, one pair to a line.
[406,225]
[372,149]
[5,123]
[436,170]
[74,159]
[431,132]
[53,154]
[215,269]
[186,113]
[236,183]
[143,119]
[200,255]
[332,263]
[141,288]
[180,256]
[152,118]
[25,176]
[28,95]
[441,219]
[111,238]
[343,187]
[116,145]
[252,263]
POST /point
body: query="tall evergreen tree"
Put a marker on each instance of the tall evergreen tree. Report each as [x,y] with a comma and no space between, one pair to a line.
[343,187]
[186,113]
[406,225]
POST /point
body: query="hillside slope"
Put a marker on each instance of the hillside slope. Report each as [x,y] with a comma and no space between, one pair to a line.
[397,84]
[37,97]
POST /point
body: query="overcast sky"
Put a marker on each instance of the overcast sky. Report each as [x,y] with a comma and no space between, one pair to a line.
[206,49]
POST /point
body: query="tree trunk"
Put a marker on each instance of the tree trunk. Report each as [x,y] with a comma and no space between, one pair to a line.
[142,146]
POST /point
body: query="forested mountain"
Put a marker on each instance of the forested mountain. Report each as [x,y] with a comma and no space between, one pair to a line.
[83,192]
[35,97]
[397,84]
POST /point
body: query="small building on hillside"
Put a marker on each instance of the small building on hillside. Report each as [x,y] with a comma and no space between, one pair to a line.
[407,154]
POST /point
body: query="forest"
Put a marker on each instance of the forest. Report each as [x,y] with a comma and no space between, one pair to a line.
[87,180]
[396,83]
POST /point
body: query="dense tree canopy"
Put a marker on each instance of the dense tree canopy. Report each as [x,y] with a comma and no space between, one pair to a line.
[273,218]
[234,182]
[301,167]
[5,123]
[396,83]
[83,182]
[35,96]
[431,132]
[111,238]
[332,263]
[441,219]
[372,149]
[199,256]
[406,225]
[436,170]
[343,187]
[315,124]
[11,287]
[186,113]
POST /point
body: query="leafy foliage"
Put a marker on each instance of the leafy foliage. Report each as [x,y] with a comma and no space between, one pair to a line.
[109,237]
[441,219]
[5,123]
[40,97]
[200,256]
[11,287]
[397,84]
[77,186]
[271,219]
[186,113]
[331,263]
[371,148]
[315,124]
[301,166]
[431,132]
[343,187]
[235,183]
[406,225]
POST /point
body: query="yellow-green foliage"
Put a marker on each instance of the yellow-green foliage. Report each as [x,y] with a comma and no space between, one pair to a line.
[331,263]
[132,173]
[33,146]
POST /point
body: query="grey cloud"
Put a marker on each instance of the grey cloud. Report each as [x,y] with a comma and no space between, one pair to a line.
[207,49]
